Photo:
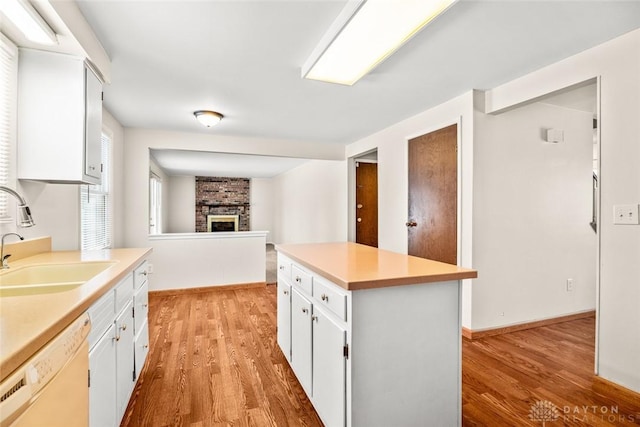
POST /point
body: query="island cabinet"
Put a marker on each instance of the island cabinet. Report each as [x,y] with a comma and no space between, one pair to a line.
[372,336]
[118,345]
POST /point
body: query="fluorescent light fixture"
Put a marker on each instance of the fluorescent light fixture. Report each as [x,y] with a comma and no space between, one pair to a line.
[28,21]
[365,33]
[208,118]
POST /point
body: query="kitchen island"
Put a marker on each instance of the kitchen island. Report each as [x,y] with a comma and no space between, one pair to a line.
[373,336]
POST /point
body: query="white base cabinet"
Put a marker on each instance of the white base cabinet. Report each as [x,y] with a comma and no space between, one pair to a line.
[389,356]
[117,350]
[125,372]
[102,366]
[284,317]
[329,368]
[301,339]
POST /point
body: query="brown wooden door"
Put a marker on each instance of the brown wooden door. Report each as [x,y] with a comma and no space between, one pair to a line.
[367,203]
[433,195]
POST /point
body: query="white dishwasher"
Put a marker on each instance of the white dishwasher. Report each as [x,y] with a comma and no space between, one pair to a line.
[51,389]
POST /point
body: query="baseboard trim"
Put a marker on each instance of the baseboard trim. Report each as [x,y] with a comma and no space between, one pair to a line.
[618,392]
[477,334]
[202,289]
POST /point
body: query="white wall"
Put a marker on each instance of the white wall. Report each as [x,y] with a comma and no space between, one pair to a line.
[138,143]
[617,64]
[56,207]
[262,205]
[532,209]
[311,203]
[202,259]
[56,212]
[181,204]
[391,144]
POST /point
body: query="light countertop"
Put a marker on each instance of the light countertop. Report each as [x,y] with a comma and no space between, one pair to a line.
[28,322]
[354,266]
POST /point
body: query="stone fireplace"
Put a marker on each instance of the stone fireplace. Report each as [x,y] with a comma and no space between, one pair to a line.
[225,198]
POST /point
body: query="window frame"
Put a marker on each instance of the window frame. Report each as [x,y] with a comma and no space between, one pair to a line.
[155,204]
[102,191]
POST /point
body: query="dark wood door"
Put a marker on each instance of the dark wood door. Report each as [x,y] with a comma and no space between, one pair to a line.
[433,195]
[367,203]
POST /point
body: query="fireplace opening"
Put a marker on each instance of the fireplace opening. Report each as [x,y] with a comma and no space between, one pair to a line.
[218,223]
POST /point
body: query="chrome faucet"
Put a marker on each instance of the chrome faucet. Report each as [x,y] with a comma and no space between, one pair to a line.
[24,213]
[4,257]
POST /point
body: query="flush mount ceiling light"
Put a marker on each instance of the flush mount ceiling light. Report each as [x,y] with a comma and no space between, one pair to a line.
[364,34]
[28,21]
[207,117]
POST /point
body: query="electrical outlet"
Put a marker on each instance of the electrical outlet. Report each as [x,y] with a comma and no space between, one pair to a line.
[570,285]
[625,214]
[149,268]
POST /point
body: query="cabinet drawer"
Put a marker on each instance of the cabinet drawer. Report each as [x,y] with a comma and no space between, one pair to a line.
[141,306]
[124,292]
[326,295]
[101,314]
[140,275]
[284,267]
[302,279]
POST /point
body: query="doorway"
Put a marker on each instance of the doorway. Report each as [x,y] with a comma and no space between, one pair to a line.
[433,195]
[367,202]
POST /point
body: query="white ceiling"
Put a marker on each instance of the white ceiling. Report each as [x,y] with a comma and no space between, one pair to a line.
[243,58]
[198,163]
[582,98]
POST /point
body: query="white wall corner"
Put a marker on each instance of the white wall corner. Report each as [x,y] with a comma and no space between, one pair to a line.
[480,100]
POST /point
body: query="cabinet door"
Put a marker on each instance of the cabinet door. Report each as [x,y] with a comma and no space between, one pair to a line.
[141,307]
[329,369]
[124,359]
[284,318]
[301,339]
[93,125]
[141,348]
[102,383]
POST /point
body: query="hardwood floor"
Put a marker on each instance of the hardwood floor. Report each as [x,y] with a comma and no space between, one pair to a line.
[214,361]
[505,375]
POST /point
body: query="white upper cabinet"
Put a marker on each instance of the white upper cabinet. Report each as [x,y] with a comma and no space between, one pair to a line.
[59,119]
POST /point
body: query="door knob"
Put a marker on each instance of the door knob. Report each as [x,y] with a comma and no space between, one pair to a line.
[359,206]
[411,224]
[359,219]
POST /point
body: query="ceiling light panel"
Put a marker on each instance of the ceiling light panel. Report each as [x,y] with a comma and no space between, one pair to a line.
[375,30]
[22,14]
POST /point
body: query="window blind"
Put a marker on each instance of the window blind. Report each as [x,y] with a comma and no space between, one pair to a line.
[95,206]
[8,82]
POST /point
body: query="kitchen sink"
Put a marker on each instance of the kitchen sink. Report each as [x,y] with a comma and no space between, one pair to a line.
[49,278]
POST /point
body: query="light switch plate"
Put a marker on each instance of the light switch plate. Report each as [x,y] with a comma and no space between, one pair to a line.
[625,214]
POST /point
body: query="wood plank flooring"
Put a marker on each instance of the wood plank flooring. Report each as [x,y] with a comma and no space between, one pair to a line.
[505,375]
[214,361]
